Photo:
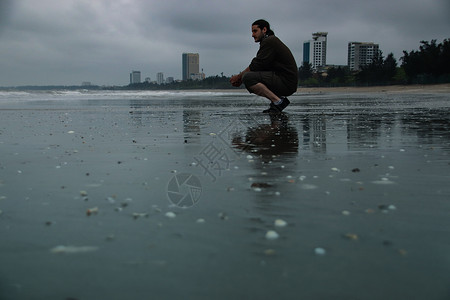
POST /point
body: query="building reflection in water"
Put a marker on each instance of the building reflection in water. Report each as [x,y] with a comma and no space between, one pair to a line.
[314,133]
[191,125]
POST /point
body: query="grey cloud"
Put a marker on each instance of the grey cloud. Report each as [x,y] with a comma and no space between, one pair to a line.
[5,12]
[79,40]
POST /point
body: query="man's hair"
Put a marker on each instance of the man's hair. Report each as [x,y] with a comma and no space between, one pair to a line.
[263,23]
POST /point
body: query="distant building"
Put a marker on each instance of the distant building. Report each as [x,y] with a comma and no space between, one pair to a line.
[315,50]
[169,80]
[135,77]
[190,65]
[160,78]
[86,83]
[361,54]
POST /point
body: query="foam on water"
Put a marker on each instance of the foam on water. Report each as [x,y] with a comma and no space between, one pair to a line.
[68,95]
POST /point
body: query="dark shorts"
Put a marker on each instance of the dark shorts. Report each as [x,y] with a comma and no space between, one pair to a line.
[274,82]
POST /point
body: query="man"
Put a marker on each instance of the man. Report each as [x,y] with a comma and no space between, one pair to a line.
[273,73]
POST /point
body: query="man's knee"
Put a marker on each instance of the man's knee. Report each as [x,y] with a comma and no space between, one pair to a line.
[247,78]
[250,79]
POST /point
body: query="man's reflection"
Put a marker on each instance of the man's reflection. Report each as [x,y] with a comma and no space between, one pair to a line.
[269,140]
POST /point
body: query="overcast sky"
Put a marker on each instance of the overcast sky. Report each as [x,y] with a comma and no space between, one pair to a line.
[64,42]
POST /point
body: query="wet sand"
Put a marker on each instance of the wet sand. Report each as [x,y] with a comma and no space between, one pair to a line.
[402,89]
[431,88]
[184,197]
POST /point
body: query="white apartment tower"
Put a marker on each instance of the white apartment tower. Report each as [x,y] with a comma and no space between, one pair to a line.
[361,54]
[315,50]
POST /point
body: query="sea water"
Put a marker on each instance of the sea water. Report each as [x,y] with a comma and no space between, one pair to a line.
[165,195]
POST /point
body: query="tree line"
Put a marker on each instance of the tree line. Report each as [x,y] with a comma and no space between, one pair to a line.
[212,82]
[429,64]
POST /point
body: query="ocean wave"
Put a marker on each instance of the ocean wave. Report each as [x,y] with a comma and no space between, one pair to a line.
[53,95]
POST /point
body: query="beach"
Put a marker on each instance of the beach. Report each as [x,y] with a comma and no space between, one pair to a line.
[199,195]
[415,88]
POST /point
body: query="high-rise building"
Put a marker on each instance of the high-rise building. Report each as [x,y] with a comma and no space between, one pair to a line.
[160,78]
[135,77]
[361,54]
[315,50]
[190,65]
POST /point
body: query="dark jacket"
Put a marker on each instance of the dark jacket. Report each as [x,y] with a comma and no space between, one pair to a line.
[275,56]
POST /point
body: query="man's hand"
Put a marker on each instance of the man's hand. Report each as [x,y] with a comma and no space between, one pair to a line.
[236,80]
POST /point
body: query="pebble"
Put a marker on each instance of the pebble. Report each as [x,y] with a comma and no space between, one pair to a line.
[170,215]
[335,170]
[269,252]
[200,220]
[351,236]
[345,212]
[222,216]
[307,186]
[140,215]
[272,235]
[92,211]
[320,251]
[110,237]
[402,252]
[392,207]
[280,223]
[383,181]
[73,249]
[260,185]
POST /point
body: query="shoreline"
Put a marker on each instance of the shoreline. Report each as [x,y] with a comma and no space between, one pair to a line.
[412,89]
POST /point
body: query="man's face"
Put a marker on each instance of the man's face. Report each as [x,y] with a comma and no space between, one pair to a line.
[257,33]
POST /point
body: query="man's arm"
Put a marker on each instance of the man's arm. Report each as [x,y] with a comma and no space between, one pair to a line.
[236,80]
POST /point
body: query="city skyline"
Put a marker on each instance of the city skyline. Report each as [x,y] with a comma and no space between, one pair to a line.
[66,42]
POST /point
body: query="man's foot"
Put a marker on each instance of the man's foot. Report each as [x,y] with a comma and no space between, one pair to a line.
[270,110]
[274,108]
